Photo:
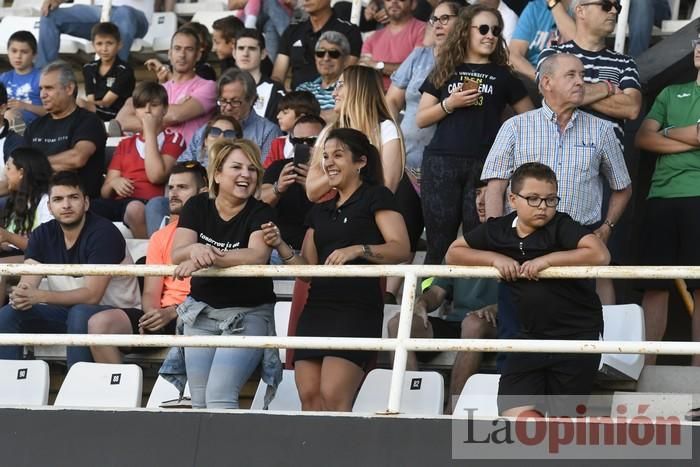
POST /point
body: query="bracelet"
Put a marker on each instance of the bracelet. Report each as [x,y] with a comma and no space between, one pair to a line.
[284,260]
[444,107]
[611,89]
[609,223]
[276,190]
[666,130]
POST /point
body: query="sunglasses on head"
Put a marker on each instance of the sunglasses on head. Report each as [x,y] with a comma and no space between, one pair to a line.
[485,28]
[190,164]
[309,140]
[216,132]
[605,5]
[334,54]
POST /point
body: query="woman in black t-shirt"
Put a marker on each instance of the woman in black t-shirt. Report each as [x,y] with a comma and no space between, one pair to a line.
[360,225]
[222,229]
[465,95]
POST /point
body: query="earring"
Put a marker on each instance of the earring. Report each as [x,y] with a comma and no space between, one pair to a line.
[358,171]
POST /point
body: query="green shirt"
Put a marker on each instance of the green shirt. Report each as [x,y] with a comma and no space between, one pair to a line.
[676,175]
[467,295]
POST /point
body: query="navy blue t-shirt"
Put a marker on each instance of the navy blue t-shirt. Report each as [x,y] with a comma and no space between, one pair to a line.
[100,242]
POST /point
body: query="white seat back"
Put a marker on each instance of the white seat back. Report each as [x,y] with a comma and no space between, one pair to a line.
[622,323]
[101,385]
[24,382]
[282,312]
[422,393]
[11,24]
[479,397]
[164,391]
[190,8]
[287,397]
[207,18]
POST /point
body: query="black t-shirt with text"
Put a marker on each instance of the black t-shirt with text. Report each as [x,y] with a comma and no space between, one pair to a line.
[547,308]
[200,214]
[470,131]
[292,206]
[53,136]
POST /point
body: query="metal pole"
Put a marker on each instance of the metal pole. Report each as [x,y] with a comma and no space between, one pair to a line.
[402,337]
[106,10]
[355,12]
[621,33]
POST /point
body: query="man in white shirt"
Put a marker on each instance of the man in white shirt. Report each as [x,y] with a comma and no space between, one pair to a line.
[130,16]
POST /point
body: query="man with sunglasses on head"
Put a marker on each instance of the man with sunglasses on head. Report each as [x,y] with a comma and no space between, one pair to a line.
[388,47]
[284,183]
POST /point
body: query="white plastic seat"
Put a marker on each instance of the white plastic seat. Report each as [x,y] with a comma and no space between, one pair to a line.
[22,8]
[207,18]
[282,313]
[479,395]
[422,393]
[163,391]
[622,323]
[287,397]
[11,24]
[191,8]
[161,30]
[101,385]
[24,383]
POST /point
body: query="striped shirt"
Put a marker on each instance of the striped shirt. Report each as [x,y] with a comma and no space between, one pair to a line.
[581,156]
[604,65]
[324,96]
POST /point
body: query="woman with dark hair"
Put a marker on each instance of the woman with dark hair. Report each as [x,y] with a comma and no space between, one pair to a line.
[220,126]
[465,95]
[360,225]
[28,172]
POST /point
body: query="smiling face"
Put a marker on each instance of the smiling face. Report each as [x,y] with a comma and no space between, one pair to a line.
[398,10]
[441,31]
[483,45]
[339,166]
[339,93]
[533,217]
[237,177]
[328,67]
[481,203]
[68,205]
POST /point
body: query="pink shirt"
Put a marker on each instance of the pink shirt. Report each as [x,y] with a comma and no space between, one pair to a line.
[200,89]
[393,47]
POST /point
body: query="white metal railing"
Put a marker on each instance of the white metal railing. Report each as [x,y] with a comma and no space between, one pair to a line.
[400,345]
[621,32]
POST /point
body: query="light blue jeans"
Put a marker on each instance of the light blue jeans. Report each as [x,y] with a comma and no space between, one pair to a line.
[216,375]
[644,14]
[274,20]
[156,209]
[78,21]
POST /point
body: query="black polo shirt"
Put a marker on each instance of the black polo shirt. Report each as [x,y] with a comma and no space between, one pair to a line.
[292,207]
[119,79]
[299,41]
[548,308]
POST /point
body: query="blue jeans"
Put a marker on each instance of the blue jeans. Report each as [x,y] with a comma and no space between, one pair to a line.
[274,20]
[644,14]
[216,375]
[53,319]
[156,209]
[78,21]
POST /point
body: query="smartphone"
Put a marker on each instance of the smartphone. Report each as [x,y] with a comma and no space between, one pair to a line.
[470,84]
[302,154]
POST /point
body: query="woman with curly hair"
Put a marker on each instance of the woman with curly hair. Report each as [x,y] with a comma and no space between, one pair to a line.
[465,95]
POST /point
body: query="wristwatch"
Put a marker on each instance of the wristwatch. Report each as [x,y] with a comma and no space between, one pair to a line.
[379,66]
[552,3]
[609,223]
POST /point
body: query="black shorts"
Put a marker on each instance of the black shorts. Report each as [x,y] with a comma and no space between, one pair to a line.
[112,209]
[554,383]
[442,329]
[669,237]
[134,315]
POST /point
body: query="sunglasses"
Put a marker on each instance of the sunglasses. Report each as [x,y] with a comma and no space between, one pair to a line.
[695,43]
[444,19]
[485,28]
[309,140]
[234,103]
[216,132]
[334,54]
[605,5]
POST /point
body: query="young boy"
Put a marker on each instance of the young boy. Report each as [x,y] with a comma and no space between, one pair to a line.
[291,106]
[249,54]
[109,81]
[22,82]
[141,163]
[224,38]
[520,245]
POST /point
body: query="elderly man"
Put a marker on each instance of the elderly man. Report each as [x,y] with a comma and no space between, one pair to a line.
[388,47]
[580,148]
[130,16]
[191,99]
[71,137]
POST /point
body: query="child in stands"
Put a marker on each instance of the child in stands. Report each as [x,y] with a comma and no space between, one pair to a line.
[292,106]
[22,82]
[520,245]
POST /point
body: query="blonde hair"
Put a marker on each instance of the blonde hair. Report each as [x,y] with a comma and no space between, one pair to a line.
[221,149]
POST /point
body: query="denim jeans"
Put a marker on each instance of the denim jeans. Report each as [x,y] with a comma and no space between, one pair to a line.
[78,20]
[53,319]
[274,21]
[644,14]
[156,209]
[216,375]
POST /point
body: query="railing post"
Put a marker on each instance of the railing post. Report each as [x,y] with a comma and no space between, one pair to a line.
[404,333]
[621,32]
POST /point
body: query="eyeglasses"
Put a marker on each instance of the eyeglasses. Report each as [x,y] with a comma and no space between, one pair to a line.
[605,5]
[695,42]
[309,140]
[536,201]
[485,28]
[334,54]
[443,19]
[216,132]
[233,103]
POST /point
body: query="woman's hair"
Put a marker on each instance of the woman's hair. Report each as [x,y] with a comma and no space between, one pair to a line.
[236,127]
[22,204]
[359,145]
[364,106]
[221,149]
[454,51]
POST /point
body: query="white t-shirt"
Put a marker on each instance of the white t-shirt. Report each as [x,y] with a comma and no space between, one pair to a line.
[389,132]
[510,20]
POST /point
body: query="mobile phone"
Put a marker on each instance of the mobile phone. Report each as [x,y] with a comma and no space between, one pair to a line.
[470,84]
[302,154]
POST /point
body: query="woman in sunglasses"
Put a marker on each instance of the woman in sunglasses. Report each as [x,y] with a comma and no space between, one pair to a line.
[332,50]
[465,96]
[221,126]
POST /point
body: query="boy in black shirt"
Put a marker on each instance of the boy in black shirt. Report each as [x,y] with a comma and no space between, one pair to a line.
[520,245]
[109,81]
